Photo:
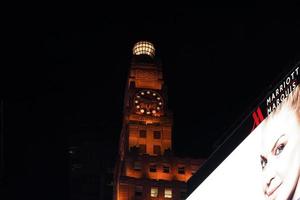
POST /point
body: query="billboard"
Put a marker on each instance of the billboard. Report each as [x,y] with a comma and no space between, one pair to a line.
[261,158]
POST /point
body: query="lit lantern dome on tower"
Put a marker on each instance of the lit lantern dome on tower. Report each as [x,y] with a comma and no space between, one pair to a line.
[144,48]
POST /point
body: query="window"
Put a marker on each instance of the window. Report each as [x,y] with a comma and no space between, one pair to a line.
[142,148]
[168,193]
[154,192]
[156,135]
[166,169]
[138,191]
[143,133]
[194,169]
[181,170]
[137,166]
[76,166]
[71,152]
[156,149]
[152,168]
[182,195]
[90,179]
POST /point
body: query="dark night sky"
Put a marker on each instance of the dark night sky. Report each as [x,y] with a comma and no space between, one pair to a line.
[68,74]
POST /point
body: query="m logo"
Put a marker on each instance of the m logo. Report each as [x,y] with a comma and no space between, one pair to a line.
[257,117]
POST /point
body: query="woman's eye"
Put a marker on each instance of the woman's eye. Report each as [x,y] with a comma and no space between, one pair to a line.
[263,163]
[279,149]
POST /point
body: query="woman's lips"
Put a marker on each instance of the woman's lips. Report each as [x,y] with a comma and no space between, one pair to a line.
[272,189]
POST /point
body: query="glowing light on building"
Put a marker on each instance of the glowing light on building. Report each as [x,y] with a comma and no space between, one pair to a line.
[144,48]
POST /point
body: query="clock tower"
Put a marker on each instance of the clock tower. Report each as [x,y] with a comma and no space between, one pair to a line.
[146,167]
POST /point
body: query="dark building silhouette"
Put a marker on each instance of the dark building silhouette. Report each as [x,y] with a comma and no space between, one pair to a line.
[1,143]
[90,168]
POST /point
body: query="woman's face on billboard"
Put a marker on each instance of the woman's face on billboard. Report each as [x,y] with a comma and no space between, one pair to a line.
[280,156]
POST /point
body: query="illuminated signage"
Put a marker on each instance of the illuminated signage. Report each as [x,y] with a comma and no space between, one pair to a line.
[264,164]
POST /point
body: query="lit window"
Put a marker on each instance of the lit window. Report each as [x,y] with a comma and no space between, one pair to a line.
[143,133]
[152,168]
[137,166]
[181,170]
[156,149]
[154,192]
[166,169]
[156,134]
[168,193]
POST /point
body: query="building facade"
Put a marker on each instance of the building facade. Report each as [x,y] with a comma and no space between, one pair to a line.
[146,167]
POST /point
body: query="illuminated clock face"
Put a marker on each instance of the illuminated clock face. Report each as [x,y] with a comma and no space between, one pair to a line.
[148,102]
